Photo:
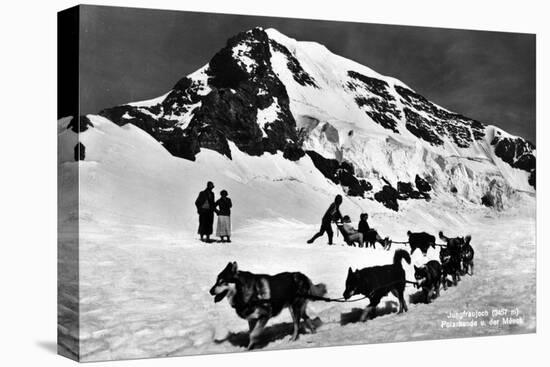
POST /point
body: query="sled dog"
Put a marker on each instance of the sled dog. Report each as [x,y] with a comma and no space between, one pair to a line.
[259,297]
[377,281]
[446,265]
[421,240]
[429,277]
[454,251]
[467,256]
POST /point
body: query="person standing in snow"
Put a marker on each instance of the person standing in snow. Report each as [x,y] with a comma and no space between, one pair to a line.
[332,214]
[206,205]
[223,209]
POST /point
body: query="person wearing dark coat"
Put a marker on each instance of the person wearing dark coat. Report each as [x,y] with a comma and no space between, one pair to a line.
[332,214]
[206,205]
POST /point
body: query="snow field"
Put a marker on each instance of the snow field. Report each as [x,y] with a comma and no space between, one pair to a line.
[147,296]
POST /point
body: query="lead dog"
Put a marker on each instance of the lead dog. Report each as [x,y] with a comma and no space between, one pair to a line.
[377,281]
[259,297]
[467,256]
[454,250]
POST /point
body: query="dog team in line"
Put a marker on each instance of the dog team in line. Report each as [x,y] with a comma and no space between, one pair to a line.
[259,297]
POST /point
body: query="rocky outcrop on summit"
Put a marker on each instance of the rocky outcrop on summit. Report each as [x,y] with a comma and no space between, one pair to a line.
[380,107]
[237,97]
[429,122]
[298,73]
[423,118]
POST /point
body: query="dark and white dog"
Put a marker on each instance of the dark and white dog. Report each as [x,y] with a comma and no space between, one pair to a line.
[429,277]
[259,297]
[459,252]
[467,256]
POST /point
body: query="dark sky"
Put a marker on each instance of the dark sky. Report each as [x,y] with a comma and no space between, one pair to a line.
[134,54]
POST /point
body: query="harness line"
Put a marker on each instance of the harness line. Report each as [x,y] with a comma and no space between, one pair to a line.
[406,243]
[343,300]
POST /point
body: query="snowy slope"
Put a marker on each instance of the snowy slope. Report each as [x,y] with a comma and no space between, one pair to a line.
[128,178]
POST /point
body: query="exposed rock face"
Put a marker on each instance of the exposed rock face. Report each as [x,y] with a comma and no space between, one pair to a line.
[439,122]
[238,98]
[423,118]
[388,196]
[487,200]
[422,185]
[79,152]
[80,125]
[518,153]
[341,174]
[404,187]
[381,108]
[406,191]
[298,72]
[533,178]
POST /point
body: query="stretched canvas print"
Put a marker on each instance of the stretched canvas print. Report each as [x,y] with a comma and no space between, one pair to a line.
[231,183]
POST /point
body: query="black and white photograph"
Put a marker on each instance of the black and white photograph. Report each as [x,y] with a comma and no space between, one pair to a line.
[231,183]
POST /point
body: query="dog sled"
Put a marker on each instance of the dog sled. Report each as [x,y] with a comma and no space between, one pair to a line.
[365,241]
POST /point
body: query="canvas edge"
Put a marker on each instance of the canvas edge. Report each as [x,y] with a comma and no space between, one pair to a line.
[68,312]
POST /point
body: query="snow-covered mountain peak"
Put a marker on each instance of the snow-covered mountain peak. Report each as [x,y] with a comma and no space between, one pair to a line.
[265,93]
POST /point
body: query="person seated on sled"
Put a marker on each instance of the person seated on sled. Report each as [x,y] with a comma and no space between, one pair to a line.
[351,233]
[331,215]
[370,235]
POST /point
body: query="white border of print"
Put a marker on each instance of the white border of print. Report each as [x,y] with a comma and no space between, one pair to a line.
[28,152]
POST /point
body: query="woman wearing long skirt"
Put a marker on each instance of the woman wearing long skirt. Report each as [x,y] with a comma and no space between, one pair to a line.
[223,205]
